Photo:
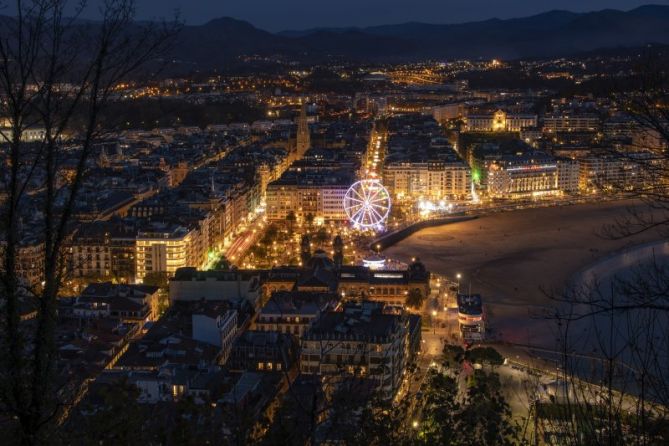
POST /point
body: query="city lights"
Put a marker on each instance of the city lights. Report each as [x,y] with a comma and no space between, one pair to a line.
[367,204]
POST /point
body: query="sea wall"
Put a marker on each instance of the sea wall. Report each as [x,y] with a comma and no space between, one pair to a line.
[390,238]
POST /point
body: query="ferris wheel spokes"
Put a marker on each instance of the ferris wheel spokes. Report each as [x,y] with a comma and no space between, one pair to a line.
[367,204]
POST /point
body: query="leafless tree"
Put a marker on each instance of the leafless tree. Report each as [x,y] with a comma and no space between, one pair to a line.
[54,68]
[613,348]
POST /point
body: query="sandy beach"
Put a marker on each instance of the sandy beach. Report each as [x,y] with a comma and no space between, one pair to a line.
[515,258]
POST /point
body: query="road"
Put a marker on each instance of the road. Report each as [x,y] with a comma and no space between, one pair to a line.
[240,245]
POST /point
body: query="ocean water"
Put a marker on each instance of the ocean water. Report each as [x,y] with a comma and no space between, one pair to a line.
[617,320]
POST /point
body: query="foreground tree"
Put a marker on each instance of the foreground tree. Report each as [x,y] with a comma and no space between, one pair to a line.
[612,342]
[57,73]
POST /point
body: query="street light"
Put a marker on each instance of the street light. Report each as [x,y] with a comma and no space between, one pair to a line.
[458,276]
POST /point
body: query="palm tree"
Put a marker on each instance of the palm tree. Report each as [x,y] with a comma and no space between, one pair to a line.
[415,298]
[290,218]
[309,218]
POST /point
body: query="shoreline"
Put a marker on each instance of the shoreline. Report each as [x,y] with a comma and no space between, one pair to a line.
[516,260]
[578,277]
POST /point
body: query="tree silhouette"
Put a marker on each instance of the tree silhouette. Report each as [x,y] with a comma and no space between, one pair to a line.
[415,298]
[43,48]
[291,218]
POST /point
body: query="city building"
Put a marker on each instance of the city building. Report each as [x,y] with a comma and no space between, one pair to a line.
[568,171]
[265,351]
[445,112]
[530,174]
[436,180]
[215,326]
[29,259]
[499,121]
[615,172]
[387,286]
[318,193]
[103,250]
[558,123]
[165,247]
[320,275]
[88,340]
[471,317]
[129,303]
[192,285]
[360,341]
[29,134]
[170,340]
[293,312]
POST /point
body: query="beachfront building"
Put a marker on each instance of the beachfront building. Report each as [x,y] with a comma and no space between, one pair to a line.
[613,172]
[432,180]
[471,319]
[515,176]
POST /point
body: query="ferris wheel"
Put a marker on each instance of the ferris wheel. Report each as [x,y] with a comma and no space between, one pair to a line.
[367,204]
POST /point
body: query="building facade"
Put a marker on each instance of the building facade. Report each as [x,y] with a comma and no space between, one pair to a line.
[516,176]
[431,180]
[571,123]
[166,250]
[500,121]
[319,194]
[360,341]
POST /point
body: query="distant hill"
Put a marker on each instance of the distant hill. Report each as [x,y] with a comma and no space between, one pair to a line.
[218,43]
[553,33]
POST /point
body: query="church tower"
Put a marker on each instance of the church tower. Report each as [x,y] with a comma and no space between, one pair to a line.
[303,135]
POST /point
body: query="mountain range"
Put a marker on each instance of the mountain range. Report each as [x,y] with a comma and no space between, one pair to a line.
[221,41]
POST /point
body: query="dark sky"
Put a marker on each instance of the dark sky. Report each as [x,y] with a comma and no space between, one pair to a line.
[277,15]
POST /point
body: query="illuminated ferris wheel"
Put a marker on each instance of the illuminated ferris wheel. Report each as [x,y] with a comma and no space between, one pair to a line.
[367,204]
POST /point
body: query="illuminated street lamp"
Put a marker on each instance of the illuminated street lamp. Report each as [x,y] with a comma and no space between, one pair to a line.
[458,276]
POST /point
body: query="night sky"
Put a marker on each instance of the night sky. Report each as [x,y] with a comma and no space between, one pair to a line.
[277,15]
